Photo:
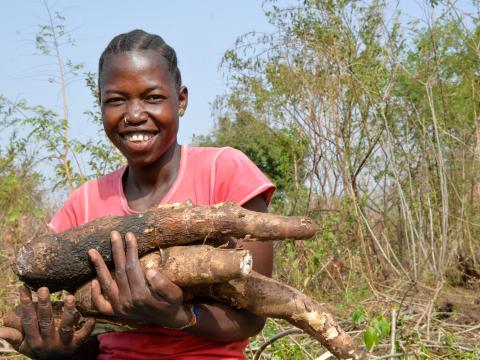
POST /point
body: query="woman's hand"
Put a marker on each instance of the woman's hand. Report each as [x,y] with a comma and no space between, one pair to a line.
[42,337]
[153,299]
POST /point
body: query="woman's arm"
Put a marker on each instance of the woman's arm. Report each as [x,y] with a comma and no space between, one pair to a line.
[220,322]
[156,299]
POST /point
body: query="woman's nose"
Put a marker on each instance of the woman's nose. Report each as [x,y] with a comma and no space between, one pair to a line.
[135,112]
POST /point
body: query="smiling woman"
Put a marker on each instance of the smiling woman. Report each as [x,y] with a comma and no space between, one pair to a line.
[140,105]
[142,97]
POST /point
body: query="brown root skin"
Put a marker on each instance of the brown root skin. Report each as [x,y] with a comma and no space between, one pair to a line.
[185,266]
[259,294]
[266,297]
[60,261]
[269,298]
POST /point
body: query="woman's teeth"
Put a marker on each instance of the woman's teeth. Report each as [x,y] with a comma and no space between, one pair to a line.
[138,137]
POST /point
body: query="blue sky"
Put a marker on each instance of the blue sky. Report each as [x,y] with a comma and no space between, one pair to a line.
[200,31]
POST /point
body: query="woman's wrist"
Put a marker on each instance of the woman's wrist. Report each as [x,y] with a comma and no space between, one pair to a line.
[193,317]
[186,317]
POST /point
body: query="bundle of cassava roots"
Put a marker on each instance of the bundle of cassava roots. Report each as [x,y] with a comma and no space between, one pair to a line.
[192,246]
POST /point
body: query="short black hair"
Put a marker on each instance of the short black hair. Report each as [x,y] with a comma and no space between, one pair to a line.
[138,40]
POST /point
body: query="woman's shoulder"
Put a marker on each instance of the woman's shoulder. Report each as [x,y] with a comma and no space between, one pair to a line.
[213,153]
[96,186]
[110,179]
[103,180]
[87,200]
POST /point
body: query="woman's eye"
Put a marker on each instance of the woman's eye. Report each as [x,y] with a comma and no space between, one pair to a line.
[114,101]
[154,98]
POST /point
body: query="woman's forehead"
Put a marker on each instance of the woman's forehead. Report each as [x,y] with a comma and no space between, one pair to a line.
[135,62]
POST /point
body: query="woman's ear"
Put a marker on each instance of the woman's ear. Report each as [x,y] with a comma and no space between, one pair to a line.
[183,98]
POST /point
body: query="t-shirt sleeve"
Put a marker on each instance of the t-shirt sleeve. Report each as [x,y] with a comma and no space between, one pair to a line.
[70,215]
[236,178]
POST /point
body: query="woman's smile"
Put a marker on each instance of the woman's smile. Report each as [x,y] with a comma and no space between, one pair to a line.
[139,141]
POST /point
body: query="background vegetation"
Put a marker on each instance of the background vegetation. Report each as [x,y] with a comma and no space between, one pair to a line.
[367,124]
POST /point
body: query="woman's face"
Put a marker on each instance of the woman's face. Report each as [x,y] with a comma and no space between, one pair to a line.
[140,103]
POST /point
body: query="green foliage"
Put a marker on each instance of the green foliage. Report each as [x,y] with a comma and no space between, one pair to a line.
[43,129]
[45,133]
[358,316]
[292,347]
[388,113]
[371,338]
[378,328]
[102,156]
[20,191]
[280,153]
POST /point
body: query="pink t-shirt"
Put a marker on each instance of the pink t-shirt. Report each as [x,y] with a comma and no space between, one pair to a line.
[206,176]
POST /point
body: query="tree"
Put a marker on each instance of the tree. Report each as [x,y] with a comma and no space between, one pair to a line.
[21,195]
[388,118]
[45,132]
[280,153]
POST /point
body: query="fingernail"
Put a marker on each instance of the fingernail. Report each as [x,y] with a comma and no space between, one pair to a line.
[95,284]
[43,292]
[151,273]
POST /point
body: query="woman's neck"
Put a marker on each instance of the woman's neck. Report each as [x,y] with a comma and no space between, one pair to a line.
[145,186]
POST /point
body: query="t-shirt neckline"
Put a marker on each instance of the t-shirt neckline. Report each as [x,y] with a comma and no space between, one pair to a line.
[171,191]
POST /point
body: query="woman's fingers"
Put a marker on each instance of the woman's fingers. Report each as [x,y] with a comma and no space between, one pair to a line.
[101,303]
[29,318]
[129,294]
[45,315]
[163,288]
[13,319]
[43,337]
[84,331]
[12,336]
[160,286]
[118,254]
[136,277]
[108,285]
[69,319]
[140,293]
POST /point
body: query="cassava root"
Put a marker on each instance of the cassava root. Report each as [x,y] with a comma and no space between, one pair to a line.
[185,266]
[60,261]
[260,295]
[246,289]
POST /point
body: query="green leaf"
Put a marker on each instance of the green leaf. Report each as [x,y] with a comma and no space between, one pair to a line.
[13,215]
[383,326]
[358,316]
[370,337]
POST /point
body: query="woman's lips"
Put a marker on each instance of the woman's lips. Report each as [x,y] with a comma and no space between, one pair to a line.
[138,141]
